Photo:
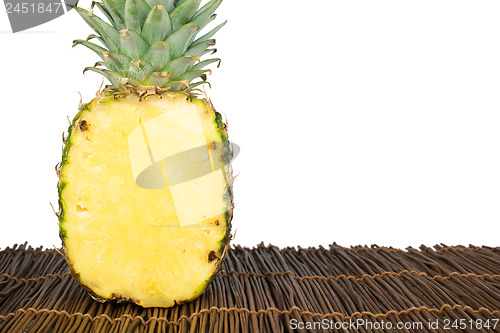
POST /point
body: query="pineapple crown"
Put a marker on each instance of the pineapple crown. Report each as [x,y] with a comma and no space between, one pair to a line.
[151,44]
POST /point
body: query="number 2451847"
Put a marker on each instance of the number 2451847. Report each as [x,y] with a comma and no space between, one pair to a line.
[33,8]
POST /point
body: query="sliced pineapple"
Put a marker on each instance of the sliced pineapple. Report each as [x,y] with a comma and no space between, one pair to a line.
[145,197]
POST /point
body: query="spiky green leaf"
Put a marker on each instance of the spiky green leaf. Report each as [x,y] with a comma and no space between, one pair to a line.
[191,75]
[204,63]
[93,36]
[157,79]
[206,13]
[112,76]
[196,84]
[183,13]
[96,48]
[103,10]
[109,35]
[179,40]
[134,82]
[176,85]
[210,34]
[117,61]
[140,69]
[116,9]
[200,48]
[178,66]
[158,55]
[136,12]
[203,8]
[132,44]
[168,4]
[157,25]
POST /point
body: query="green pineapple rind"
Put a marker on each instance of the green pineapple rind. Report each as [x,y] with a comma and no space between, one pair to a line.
[151,43]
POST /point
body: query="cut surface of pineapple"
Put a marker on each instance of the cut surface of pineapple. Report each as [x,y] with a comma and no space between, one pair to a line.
[145,199]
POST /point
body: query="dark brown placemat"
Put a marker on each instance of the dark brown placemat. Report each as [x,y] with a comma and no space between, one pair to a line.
[267,289]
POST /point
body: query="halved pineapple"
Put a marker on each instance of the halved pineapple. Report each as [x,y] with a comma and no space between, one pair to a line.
[145,199]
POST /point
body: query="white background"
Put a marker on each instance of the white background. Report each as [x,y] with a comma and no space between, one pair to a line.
[359,122]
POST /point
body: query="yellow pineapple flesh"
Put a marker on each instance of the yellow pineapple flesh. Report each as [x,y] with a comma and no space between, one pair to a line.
[145,197]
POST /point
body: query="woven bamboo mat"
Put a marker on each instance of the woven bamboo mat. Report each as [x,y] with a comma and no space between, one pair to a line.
[267,289]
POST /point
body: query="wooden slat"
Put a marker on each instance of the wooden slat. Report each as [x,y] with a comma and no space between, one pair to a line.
[267,289]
